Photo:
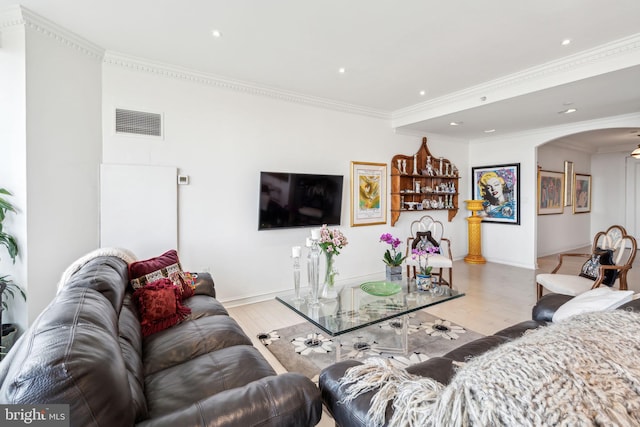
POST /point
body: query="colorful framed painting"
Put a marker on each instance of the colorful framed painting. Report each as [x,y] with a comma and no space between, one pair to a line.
[582,193]
[368,193]
[550,192]
[498,187]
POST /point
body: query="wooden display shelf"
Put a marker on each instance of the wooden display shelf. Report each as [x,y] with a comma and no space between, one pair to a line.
[431,172]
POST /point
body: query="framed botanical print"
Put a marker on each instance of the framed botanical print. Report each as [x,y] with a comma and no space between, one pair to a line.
[368,193]
[550,192]
[498,186]
[582,193]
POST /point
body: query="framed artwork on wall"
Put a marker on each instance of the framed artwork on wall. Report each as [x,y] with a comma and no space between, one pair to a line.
[582,193]
[550,192]
[368,193]
[498,186]
[568,183]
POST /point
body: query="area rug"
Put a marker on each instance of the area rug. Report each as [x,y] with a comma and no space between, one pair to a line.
[305,349]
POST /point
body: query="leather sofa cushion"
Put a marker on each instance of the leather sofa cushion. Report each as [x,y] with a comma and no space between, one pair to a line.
[547,305]
[519,329]
[189,340]
[439,368]
[131,345]
[203,306]
[181,386]
[103,274]
[72,354]
[353,413]
[473,348]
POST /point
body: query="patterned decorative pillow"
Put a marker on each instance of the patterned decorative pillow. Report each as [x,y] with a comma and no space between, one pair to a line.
[425,240]
[591,268]
[183,281]
[159,305]
[152,269]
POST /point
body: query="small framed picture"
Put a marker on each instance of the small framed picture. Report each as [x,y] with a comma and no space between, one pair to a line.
[498,187]
[368,193]
[568,183]
[550,192]
[582,193]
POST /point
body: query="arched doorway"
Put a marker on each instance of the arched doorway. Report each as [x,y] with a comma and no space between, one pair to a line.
[602,154]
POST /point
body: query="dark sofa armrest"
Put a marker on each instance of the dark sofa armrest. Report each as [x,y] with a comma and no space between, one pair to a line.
[547,305]
[288,399]
[204,285]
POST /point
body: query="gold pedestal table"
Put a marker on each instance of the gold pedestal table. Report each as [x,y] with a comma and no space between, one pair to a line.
[475,233]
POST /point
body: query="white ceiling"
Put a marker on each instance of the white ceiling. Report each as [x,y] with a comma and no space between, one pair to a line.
[391,51]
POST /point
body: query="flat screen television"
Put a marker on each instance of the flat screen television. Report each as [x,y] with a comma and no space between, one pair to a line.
[299,200]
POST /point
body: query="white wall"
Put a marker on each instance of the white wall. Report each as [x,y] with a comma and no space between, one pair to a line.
[566,231]
[517,245]
[608,191]
[55,148]
[222,139]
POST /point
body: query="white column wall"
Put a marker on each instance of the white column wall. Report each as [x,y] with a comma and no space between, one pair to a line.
[13,162]
[55,150]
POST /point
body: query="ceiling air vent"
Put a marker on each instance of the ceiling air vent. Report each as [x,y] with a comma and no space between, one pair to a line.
[138,122]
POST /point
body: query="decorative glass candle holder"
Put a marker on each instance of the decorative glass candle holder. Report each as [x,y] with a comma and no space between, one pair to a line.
[295,255]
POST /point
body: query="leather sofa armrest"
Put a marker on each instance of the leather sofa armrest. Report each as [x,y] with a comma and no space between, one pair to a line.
[288,399]
[205,285]
[547,305]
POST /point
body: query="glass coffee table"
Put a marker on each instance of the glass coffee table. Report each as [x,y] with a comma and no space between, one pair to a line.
[356,309]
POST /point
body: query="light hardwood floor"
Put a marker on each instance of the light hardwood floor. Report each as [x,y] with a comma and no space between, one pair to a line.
[497,296]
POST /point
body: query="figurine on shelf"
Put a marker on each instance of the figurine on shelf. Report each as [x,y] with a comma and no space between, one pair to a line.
[415,164]
[399,166]
[404,166]
[454,170]
[440,170]
[429,170]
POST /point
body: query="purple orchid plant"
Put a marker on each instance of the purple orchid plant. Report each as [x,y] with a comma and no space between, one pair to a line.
[419,254]
[392,257]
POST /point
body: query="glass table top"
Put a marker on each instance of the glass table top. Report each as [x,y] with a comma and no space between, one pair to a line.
[354,308]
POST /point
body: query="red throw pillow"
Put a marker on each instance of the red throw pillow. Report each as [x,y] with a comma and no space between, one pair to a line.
[150,270]
[159,305]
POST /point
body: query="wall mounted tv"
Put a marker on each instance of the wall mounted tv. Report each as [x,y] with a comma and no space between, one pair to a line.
[299,200]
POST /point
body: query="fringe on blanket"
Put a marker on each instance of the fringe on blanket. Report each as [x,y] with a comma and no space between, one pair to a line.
[124,254]
[581,371]
[413,393]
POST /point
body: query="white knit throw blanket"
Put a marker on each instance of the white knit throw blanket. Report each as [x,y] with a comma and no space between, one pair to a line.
[578,372]
[124,254]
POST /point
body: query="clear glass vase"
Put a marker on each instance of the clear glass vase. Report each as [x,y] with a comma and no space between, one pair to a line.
[328,286]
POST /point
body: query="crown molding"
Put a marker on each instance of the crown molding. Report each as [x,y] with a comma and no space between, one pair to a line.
[599,60]
[184,74]
[20,16]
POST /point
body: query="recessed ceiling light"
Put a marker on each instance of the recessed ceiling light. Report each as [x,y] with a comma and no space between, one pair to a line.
[566,42]
[489,130]
[455,123]
[568,111]
[341,70]
[422,93]
[216,33]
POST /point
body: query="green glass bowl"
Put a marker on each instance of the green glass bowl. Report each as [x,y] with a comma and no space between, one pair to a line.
[381,289]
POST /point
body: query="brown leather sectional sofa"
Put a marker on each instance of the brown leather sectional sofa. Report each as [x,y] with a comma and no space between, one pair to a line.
[86,350]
